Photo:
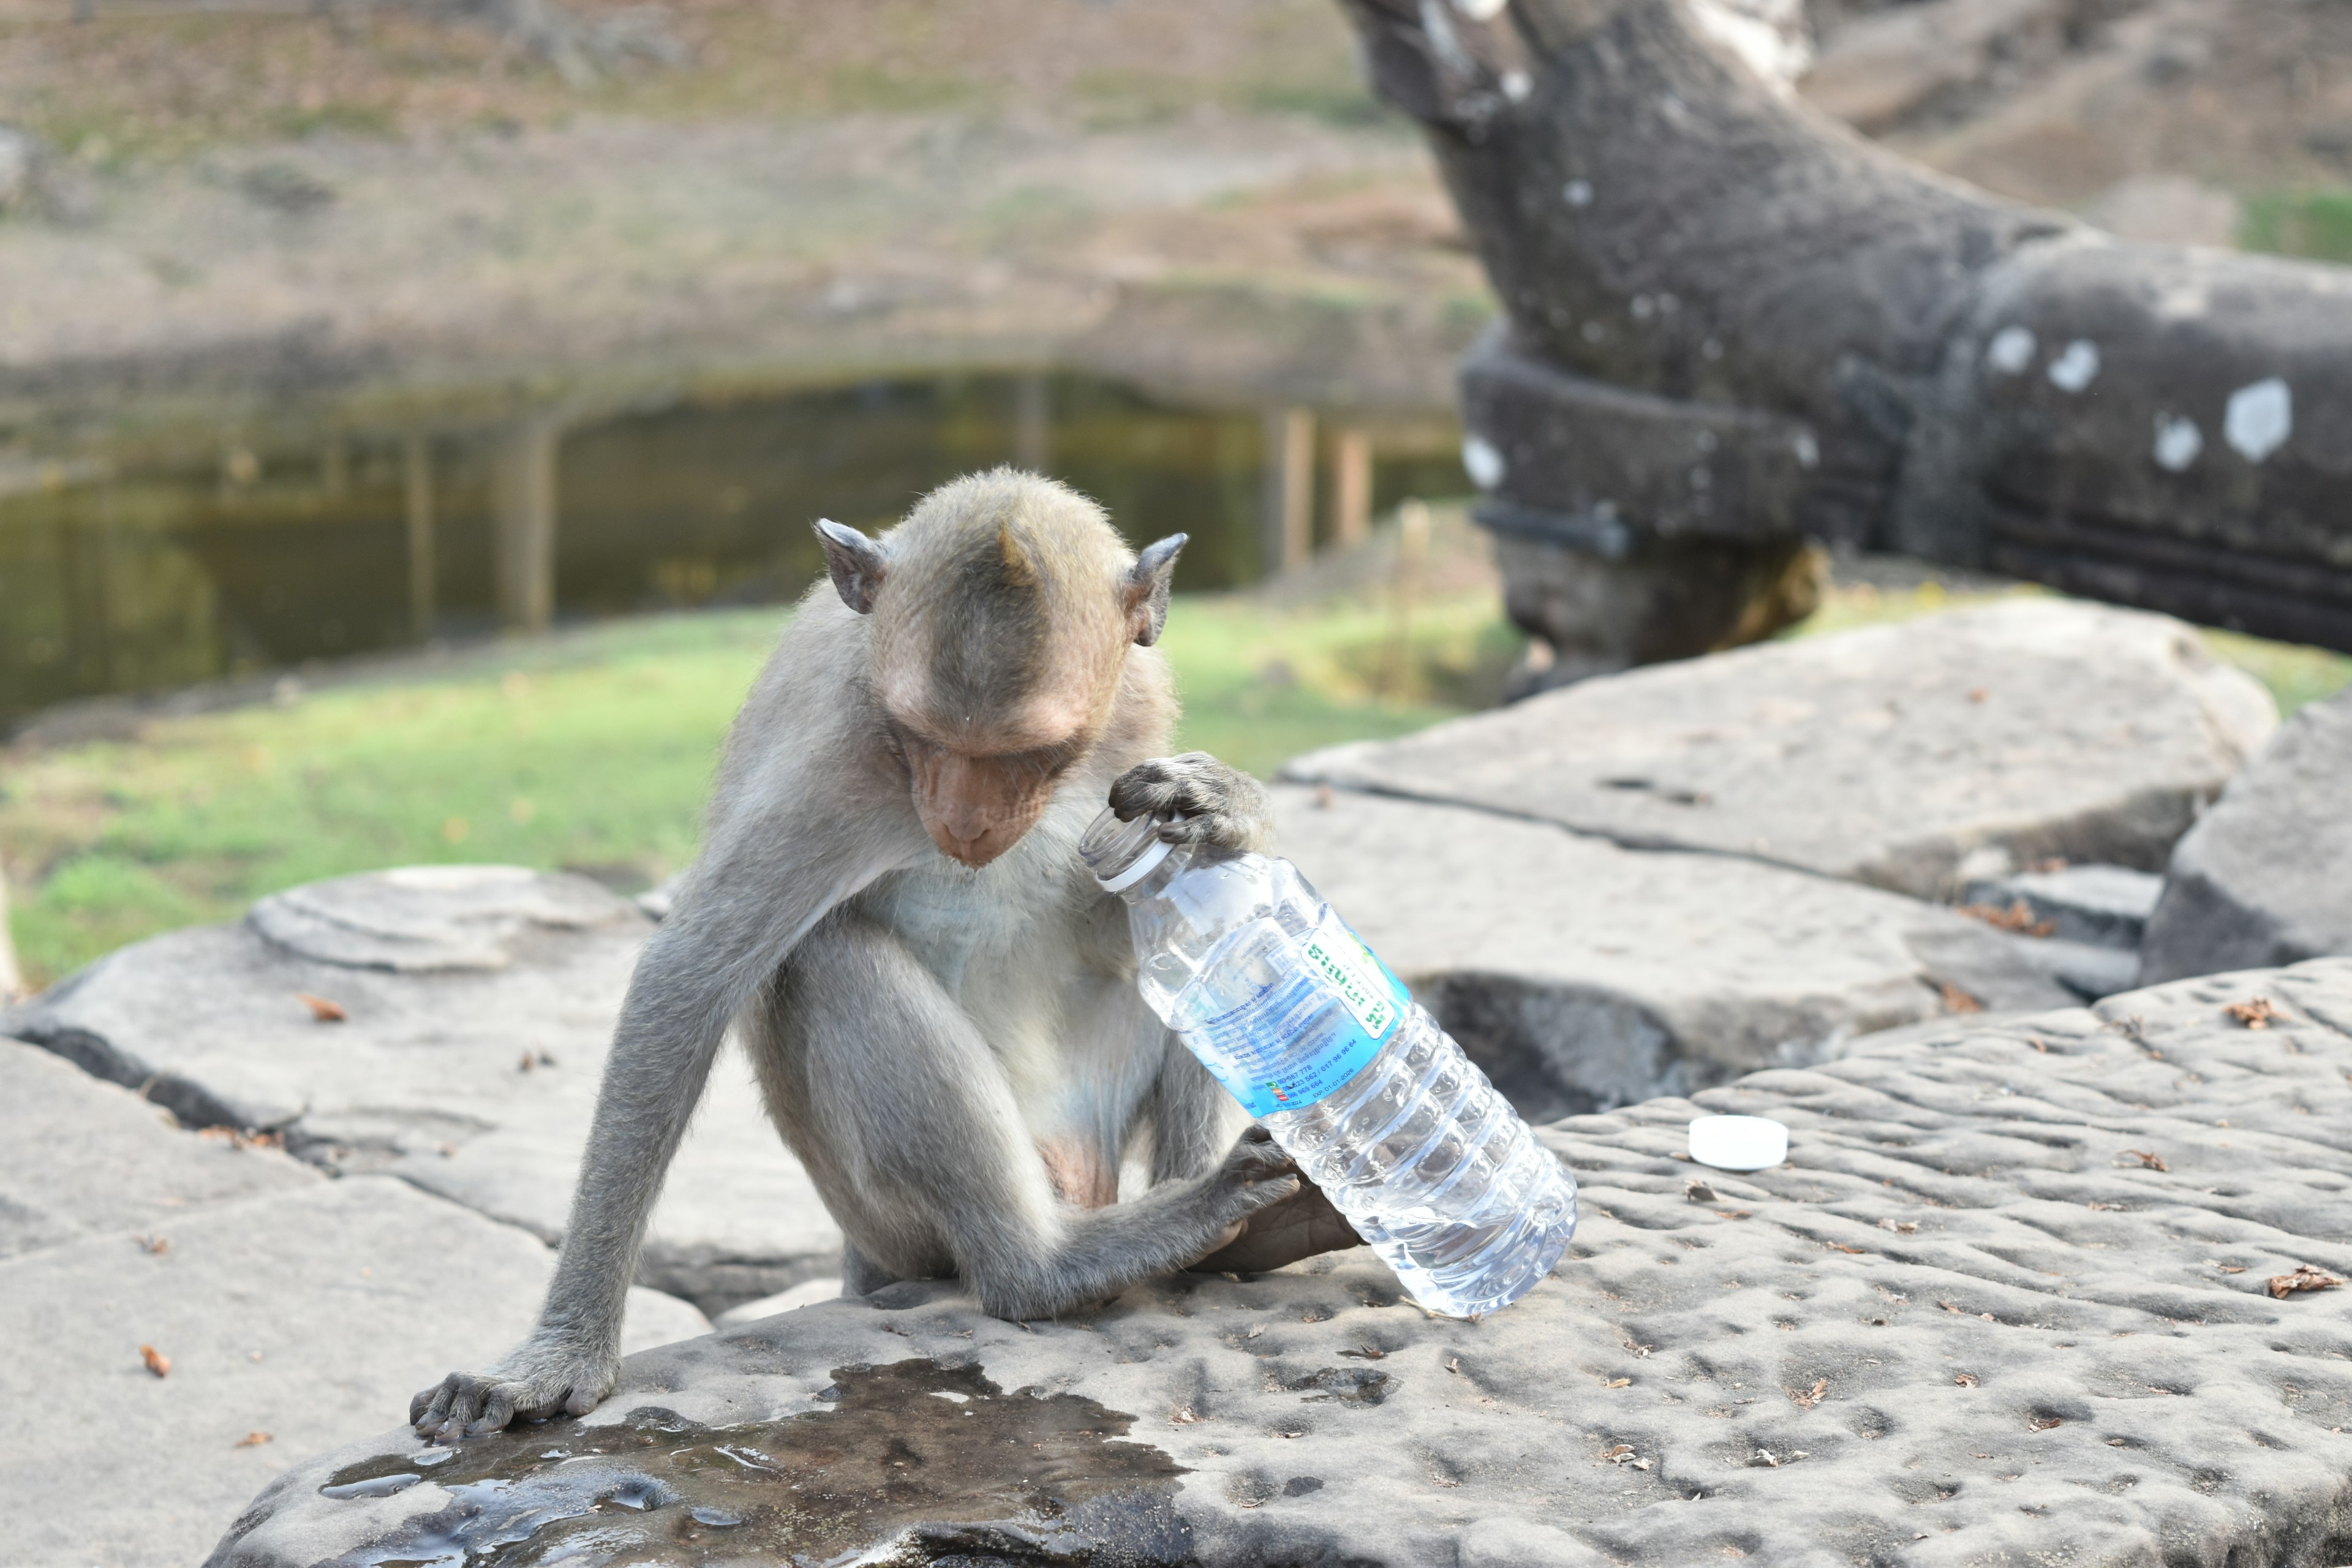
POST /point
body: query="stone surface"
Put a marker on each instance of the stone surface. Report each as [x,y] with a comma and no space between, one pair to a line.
[81,1158]
[1885,755]
[2262,878]
[286,1303]
[2006,1302]
[2106,906]
[453,979]
[1582,975]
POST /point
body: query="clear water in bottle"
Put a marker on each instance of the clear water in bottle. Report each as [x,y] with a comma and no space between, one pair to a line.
[1296,1016]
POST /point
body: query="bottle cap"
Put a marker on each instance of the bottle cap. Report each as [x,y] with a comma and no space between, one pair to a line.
[1739,1142]
[1121,853]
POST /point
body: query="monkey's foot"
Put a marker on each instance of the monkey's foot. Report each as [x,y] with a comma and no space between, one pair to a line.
[537,1380]
[1211,802]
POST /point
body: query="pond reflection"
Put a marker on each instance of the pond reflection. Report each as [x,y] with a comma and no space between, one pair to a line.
[272,553]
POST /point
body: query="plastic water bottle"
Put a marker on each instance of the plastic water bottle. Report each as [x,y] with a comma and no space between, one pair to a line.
[1295,1016]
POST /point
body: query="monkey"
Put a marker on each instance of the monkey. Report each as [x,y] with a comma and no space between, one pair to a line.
[889,910]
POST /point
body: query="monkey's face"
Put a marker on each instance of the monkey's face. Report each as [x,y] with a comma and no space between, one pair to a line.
[976,804]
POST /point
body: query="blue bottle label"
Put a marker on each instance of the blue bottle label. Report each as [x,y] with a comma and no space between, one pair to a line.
[1318,1022]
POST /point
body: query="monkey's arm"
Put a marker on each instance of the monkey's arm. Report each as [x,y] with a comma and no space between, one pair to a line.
[1214,804]
[787,842]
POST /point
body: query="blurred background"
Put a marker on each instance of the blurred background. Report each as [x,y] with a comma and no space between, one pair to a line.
[411,414]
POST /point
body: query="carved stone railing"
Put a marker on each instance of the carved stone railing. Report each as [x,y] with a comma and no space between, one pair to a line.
[1732,325]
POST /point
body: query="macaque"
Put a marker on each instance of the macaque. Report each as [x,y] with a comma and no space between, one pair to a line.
[890,911]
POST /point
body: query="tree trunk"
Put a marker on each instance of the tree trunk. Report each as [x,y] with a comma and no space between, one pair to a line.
[1732,324]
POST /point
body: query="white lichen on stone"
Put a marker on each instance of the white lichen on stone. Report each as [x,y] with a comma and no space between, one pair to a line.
[1768,37]
[2011,351]
[1481,10]
[1808,451]
[1577,192]
[1482,462]
[2076,366]
[2260,418]
[2178,442]
[1516,85]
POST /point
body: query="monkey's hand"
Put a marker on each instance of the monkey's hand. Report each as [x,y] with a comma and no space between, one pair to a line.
[537,1379]
[1213,804]
[1301,1226]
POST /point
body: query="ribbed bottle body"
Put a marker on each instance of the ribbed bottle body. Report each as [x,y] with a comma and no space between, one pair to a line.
[1380,1107]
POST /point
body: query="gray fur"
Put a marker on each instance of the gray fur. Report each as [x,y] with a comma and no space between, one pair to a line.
[1207,802]
[928,1036]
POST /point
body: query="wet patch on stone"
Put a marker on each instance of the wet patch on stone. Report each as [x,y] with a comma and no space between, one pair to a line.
[912,1449]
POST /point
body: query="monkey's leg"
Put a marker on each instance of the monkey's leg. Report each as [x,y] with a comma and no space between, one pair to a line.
[906,1102]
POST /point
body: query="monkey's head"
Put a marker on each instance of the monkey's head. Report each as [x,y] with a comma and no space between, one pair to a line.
[1003,609]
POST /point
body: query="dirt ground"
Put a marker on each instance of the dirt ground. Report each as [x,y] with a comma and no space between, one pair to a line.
[404,199]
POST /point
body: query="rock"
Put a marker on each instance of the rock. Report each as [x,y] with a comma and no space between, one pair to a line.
[2262,877]
[1584,976]
[480,1004]
[84,1159]
[808,1293]
[283,1304]
[2037,727]
[2105,905]
[2007,1301]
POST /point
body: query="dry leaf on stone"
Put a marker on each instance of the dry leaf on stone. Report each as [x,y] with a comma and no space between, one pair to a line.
[2018,918]
[1698,1192]
[1966,1380]
[1183,1416]
[1901,1227]
[1812,1396]
[1732,1214]
[2153,1161]
[157,1362]
[322,1010]
[254,1440]
[154,1243]
[2255,1012]
[1617,1383]
[1956,1000]
[2044,1423]
[1365,1353]
[2305,1277]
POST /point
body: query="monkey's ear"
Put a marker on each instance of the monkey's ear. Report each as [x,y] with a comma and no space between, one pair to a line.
[1147,587]
[856,562]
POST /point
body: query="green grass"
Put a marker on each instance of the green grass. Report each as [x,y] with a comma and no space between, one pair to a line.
[2314,224]
[592,750]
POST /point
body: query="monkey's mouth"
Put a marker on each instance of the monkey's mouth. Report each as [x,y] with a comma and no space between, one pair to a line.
[974,838]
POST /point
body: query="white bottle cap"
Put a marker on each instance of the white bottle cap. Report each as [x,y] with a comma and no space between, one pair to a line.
[1739,1142]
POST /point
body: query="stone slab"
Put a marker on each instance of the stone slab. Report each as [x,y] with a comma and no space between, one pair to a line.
[1584,976]
[310,1313]
[1969,1321]
[79,1157]
[2105,905]
[451,978]
[2265,877]
[2030,728]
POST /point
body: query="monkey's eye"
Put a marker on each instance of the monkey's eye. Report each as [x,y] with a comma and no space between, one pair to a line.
[1043,762]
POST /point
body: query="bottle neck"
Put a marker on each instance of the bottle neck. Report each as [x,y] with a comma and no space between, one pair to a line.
[1131,858]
